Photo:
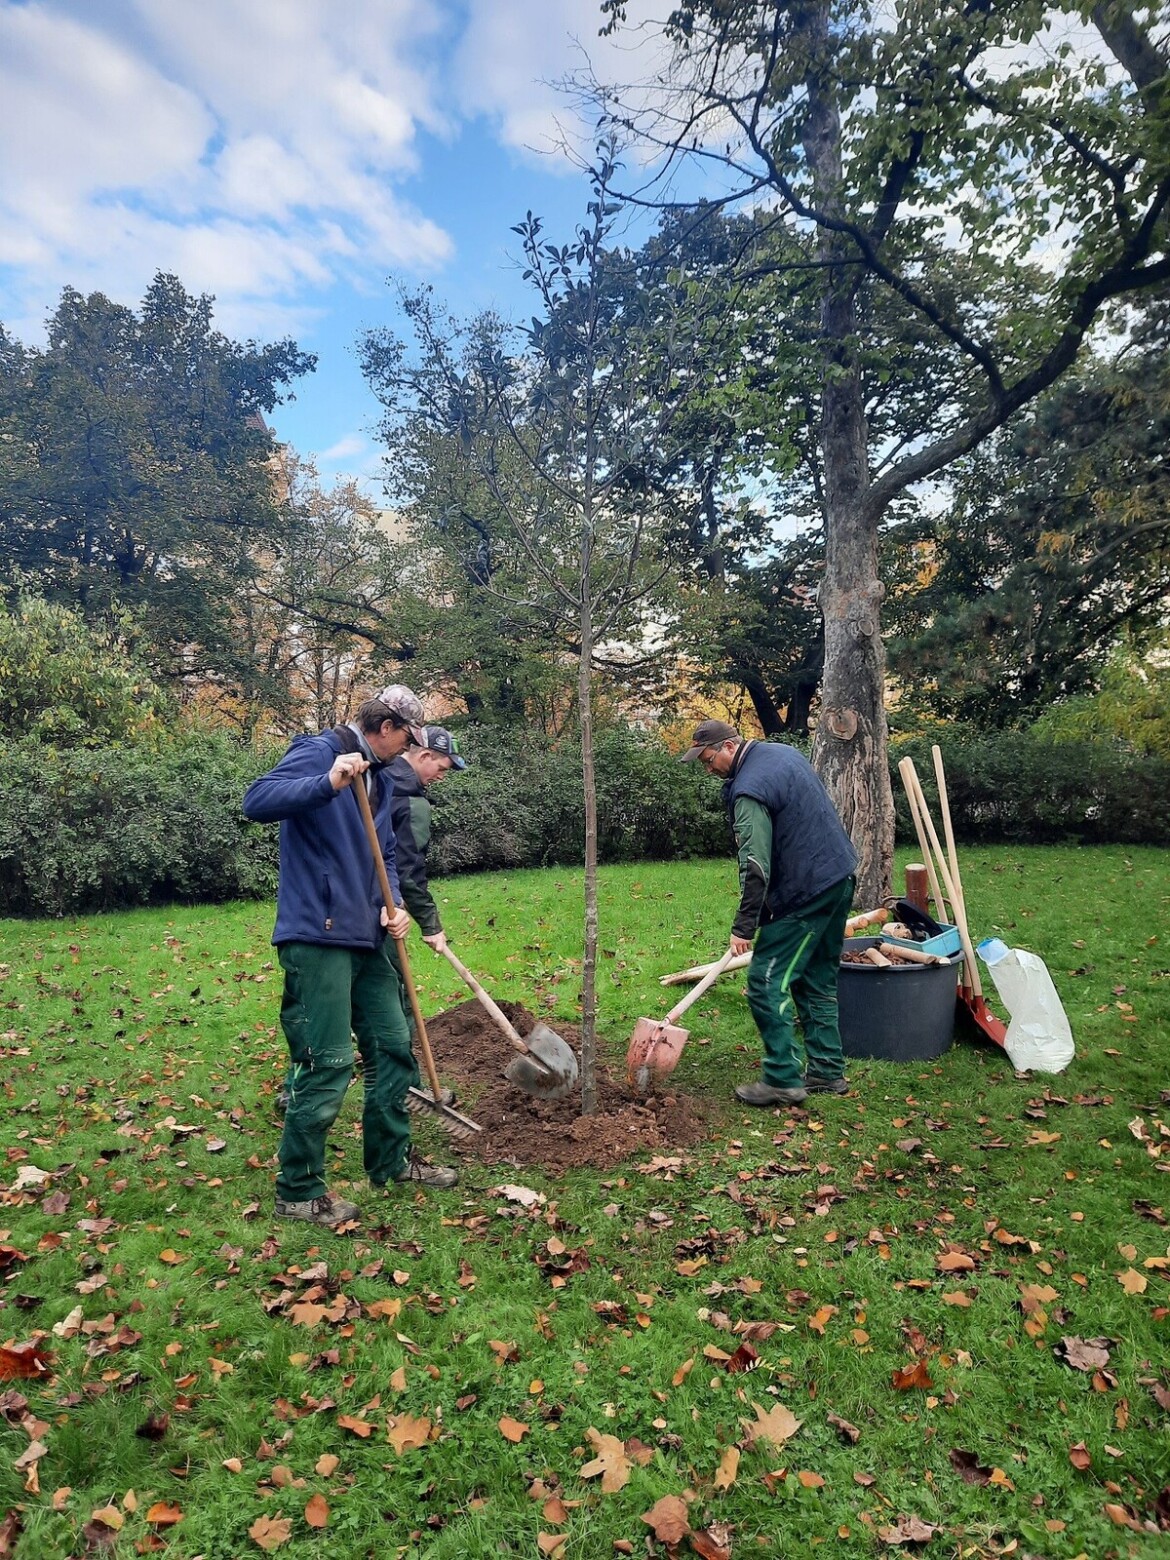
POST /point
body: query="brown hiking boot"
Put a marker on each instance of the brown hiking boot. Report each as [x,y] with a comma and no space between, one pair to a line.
[328,1210]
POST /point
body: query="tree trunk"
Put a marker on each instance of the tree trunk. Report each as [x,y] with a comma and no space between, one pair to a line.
[589,961]
[763,703]
[850,747]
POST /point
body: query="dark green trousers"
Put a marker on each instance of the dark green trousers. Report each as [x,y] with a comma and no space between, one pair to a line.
[793,972]
[329,992]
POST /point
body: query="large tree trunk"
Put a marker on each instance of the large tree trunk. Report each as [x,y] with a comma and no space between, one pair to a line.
[850,747]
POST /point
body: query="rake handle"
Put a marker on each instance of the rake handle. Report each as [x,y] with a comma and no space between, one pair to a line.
[358,786]
[953,854]
[910,778]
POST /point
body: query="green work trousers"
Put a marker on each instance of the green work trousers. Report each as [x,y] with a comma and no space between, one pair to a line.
[793,972]
[329,992]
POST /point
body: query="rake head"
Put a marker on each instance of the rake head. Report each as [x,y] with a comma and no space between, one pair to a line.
[453,1122]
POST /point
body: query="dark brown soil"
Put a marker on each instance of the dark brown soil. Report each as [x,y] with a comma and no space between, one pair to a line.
[470,1056]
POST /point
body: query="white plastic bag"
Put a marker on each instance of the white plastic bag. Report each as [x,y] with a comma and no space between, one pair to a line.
[1039,1038]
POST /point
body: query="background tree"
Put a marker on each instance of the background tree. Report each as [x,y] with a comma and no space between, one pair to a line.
[877,131]
[135,466]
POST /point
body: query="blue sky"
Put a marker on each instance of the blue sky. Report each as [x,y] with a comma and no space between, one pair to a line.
[288,156]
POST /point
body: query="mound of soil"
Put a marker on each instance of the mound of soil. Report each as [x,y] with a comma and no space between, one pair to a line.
[470,1055]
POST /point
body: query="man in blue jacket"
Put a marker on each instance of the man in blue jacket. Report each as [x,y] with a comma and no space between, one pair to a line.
[796,866]
[331,939]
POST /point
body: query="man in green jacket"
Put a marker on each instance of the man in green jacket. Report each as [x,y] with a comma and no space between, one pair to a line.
[796,866]
[429,760]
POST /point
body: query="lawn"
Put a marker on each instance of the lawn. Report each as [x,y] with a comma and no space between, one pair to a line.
[951,1287]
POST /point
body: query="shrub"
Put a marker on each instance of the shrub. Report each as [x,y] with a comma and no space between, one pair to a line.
[1021,788]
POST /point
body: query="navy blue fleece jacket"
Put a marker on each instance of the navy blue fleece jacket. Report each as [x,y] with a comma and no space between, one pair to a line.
[328,892]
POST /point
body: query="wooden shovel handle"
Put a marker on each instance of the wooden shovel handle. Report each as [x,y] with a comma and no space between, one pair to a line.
[358,787]
[953,854]
[910,776]
[693,996]
[496,1014]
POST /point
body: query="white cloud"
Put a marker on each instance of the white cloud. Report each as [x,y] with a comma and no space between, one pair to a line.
[351,444]
[254,148]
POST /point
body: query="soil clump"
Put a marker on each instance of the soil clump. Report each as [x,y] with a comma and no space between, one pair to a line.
[470,1055]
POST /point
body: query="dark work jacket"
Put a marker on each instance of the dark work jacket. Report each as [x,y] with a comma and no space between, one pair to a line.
[328,892]
[410,813]
[810,849]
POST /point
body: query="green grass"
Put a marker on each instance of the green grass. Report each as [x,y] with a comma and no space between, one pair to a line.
[117,1029]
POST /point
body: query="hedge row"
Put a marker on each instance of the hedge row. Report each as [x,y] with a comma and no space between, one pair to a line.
[148,824]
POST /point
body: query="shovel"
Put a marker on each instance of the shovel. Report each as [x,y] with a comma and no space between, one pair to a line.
[545,1066]
[655,1048]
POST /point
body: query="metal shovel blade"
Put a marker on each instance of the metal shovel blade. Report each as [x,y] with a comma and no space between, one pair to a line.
[653,1054]
[549,1071]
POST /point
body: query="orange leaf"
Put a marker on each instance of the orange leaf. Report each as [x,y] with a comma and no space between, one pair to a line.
[398,1379]
[108,1516]
[668,1519]
[915,1375]
[162,1514]
[611,1462]
[819,1317]
[956,1297]
[1133,1282]
[552,1543]
[171,1258]
[405,1433]
[317,1511]
[954,1262]
[810,1481]
[24,1361]
[776,1426]
[360,1427]
[725,1474]
[513,1430]
[270,1533]
[1078,1455]
[326,1464]
[682,1373]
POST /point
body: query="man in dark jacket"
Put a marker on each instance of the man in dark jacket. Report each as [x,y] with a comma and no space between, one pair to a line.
[331,939]
[423,764]
[796,866]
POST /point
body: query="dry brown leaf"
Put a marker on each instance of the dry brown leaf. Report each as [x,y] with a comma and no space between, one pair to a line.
[359,1427]
[968,1467]
[809,1480]
[391,1310]
[513,1430]
[954,1262]
[844,1429]
[775,1425]
[956,1297]
[108,1517]
[610,1462]
[728,1469]
[398,1379]
[232,1464]
[406,1433]
[1078,1455]
[908,1530]
[270,1533]
[667,1519]
[712,1543]
[326,1465]
[911,1376]
[552,1544]
[820,1317]
[317,1511]
[555,1511]
[1133,1282]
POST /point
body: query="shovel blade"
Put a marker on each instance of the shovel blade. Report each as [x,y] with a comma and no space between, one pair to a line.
[549,1071]
[653,1054]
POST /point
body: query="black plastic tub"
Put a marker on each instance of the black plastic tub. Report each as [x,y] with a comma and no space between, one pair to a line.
[903,1014]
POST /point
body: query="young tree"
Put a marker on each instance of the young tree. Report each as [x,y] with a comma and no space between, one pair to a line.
[559,438]
[999,127]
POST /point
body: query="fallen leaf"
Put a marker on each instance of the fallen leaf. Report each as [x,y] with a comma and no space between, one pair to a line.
[1085,1354]
[405,1433]
[810,1481]
[552,1544]
[317,1511]
[232,1464]
[725,1474]
[108,1517]
[611,1462]
[24,1361]
[951,1261]
[712,1543]
[1078,1455]
[270,1533]
[682,1373]
[776,1426]
[163,1514]
[968,1467]
[1133,1282]
[845,1430]
[326,1465]
[908,1530]
[513,1430]
[911,1376]
[667,1519]
[359,1427]
[956,1297]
